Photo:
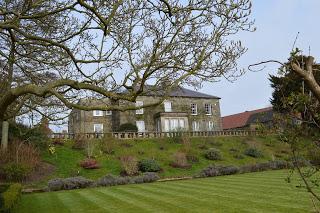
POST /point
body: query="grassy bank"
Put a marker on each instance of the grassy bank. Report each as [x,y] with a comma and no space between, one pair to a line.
[252,192]
[66,160]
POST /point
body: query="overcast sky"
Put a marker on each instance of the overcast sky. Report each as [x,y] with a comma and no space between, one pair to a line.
[277,22]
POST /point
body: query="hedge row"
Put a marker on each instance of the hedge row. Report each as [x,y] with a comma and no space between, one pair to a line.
[108,180]
[10,197]
[212,171]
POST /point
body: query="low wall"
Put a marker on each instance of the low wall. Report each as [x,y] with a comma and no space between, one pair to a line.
[137,135]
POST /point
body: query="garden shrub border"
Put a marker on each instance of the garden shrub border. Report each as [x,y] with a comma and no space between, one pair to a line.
[148,177]
[108,180]
[10,197]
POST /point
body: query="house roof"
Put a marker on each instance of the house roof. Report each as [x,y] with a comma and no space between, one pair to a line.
[241,119]
[178,92]
[261,117]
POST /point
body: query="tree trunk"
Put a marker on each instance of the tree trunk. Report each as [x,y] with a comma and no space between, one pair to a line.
[4,136]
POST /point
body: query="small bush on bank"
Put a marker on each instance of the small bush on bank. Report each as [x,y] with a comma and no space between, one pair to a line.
[128,127]
[149,165]
[108,145]
[129,165]
[79,142]
[89,163]
[238,156]
[9,198]
[180,161]
[213,154]
[192,157]
[58,141]
[69,183]
[253,152]
[212,171]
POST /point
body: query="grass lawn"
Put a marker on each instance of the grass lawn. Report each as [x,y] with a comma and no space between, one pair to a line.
[251,192]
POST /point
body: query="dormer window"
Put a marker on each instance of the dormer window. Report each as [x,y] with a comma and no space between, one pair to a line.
[139,104]
[97,113]
[208,109]
[194,110]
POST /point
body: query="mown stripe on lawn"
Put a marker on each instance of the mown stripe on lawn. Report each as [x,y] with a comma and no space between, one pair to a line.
[199,203]
[114,203]
[279,200]
[128,200]
[77,203]
[283,188]
[158,204]
[256,203]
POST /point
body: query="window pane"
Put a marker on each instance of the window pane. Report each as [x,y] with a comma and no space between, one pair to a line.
[138,104]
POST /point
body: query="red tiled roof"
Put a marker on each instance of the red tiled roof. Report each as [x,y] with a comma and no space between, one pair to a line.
[240,119]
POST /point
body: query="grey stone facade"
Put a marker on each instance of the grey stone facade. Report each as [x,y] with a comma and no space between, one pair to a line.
[203,115]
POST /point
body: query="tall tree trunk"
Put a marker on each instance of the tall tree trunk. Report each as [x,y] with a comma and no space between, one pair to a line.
[4,135]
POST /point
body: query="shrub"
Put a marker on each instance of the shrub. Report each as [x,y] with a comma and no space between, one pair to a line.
[90,147]
[180,161]
[147,177]
[128,127]
[110,180]
[271,165]
[79,142]
[212,171]
[89,164]
[149,165]
[69,183]
[213,154]
[202,146]
[108,145]
[253,152]
[313,155]
[58,141]
[238,156]
[192,158]
[129,165]
[18,161]
[16,172]
[10,197]
[37,136]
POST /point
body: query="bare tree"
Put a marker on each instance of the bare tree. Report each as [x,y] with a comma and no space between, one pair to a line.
[63,50]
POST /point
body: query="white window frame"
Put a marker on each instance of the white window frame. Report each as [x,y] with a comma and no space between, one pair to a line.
[194,109]
[95,127]
[167,106]
[108,112]
[195,126]
[210,125]
[144,125]
[208,108]
[139,104]
[97,113]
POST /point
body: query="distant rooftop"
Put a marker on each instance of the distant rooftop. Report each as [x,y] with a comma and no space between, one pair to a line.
[241,119]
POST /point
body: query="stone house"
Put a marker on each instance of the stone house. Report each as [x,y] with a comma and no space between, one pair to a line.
[184,110]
